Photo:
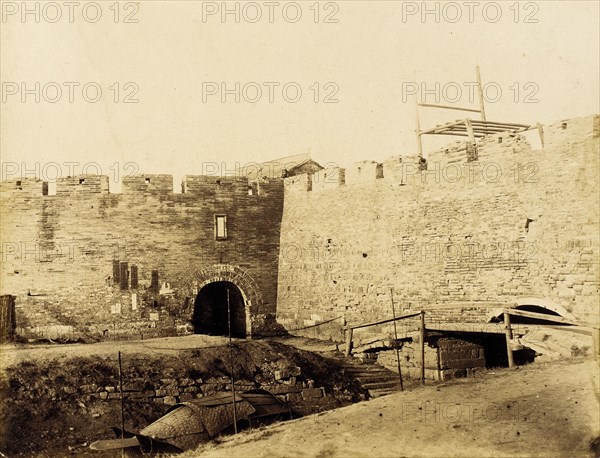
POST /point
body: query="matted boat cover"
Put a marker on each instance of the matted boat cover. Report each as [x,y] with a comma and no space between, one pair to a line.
[188,424]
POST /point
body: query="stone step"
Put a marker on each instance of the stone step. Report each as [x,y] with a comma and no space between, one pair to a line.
[376,393]
[378,385]
[370,374]
[366,369]
[375,378]
[369,368]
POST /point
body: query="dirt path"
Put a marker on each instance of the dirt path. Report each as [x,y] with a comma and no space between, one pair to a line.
[547,409]
[14,353]
[11,354]
[544,409]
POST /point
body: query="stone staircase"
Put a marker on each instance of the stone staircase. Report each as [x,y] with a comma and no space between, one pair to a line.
[375,379]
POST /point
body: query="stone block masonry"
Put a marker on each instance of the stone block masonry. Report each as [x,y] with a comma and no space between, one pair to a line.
[466,234]
[470,229]
[445,358]
[85,262]
[172,391]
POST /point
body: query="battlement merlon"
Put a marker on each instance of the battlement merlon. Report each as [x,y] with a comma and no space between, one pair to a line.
[399,169]
[565,131]
[140,184]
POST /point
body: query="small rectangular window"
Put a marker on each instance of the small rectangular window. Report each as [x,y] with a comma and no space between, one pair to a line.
[220,227]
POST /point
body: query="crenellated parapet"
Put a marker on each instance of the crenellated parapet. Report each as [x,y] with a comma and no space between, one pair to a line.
[23,186]
[498,154]
[148,184]
[471,228]
[82,184]
[139,185]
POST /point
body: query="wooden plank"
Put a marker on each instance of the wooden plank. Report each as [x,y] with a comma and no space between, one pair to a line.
[540,129]
[218,399]
[470,130]
[480,92]
[418,132]
[389,320]
[113,444]
[348,334]
[442,127]
[422,337]
[543,316]
[483,328]
[498,123]
[458,134]
[396,337]
[508,334]
[448,107]
[588,331]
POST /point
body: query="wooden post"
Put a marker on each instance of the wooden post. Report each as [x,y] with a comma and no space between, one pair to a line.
[480,91]
[470,130]
[422,338]
[348,333]
[508,334]
[235,429]
[439,366]
[540,130]
[418,131]
[121,391]
[396,341]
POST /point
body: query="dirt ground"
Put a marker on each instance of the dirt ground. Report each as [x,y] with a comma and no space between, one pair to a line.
[541,410]
[49,404]
[13,353]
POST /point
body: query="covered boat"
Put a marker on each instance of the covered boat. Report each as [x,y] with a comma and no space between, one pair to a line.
[187,425]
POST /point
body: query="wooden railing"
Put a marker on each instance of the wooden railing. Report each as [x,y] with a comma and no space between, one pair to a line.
[593,329]
[545,317]
[349,334]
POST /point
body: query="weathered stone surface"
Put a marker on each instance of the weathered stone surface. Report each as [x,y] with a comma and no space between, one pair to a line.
[170,400]
[475,229]
[287,372]
[282,389]
[464,363]
[89,388]
[456,248]
[134,386]
[313,393]
[293,397]
[89,285]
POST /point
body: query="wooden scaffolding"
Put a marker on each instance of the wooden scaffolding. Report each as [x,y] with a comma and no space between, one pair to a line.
[467,127]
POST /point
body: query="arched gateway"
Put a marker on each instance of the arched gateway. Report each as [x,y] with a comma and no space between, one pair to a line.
[215,306]
[210,286]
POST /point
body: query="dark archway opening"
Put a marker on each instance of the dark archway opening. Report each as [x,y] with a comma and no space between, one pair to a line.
[210,310]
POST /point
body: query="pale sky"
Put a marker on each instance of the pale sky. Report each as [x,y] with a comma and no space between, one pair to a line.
[371,56]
